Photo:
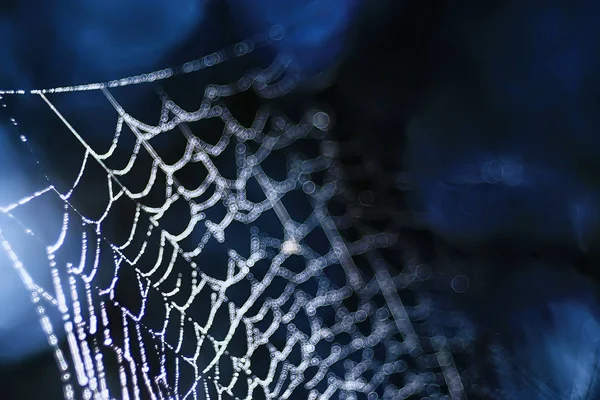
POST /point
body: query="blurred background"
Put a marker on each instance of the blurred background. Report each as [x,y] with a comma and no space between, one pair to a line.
[475,124]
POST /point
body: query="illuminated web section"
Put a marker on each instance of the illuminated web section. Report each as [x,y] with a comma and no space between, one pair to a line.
[222,305]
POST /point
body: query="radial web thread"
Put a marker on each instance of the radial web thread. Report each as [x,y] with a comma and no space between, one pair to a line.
[270,320]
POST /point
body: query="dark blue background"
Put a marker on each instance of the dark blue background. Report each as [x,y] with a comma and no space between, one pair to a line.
[490,110]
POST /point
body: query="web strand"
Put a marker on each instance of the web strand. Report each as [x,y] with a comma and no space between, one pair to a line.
[98,323]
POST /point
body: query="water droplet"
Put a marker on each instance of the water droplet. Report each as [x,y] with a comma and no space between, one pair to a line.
[460,283]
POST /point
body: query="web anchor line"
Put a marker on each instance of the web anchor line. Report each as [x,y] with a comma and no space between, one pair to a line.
[307,353]
[239,49]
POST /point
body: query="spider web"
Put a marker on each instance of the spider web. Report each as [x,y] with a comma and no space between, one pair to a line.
[180,313]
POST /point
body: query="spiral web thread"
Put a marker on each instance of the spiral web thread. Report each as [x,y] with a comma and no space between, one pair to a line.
[183,355]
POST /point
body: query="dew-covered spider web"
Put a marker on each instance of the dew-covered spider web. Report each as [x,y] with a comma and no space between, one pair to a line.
[234,277]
